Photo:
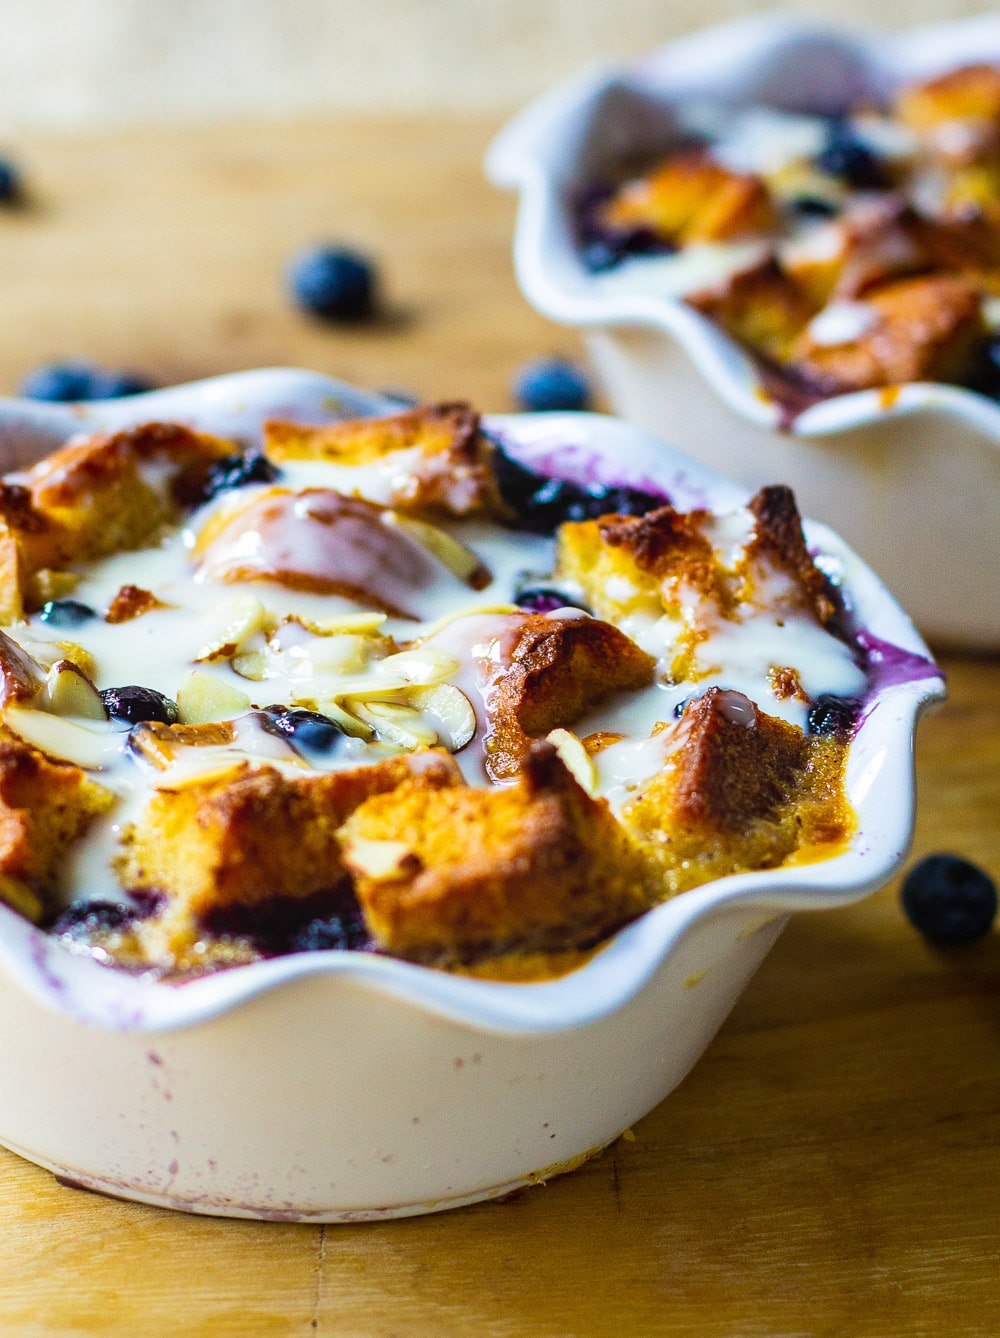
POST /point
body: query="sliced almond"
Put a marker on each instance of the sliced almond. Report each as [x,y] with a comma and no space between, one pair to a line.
[251,664]
[162,744]
[459,560]
[230,624]
[346,622]
[449,710]
[381,861]
[68,691]
[350,724]
[575,758]
[203,697]
[422,665]
[58,737]
[399,725]
[21,676]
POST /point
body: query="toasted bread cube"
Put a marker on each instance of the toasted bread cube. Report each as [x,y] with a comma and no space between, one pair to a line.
[553,670]
[256,835]
[779,543]
[689,198]
[453,875]
[763,307]
[435,457]
[740,790]
[45,807]
[971,92]
[95,496]
[923,329]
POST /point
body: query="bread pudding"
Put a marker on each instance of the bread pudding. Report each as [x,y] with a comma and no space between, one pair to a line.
[850,252]
[379,686]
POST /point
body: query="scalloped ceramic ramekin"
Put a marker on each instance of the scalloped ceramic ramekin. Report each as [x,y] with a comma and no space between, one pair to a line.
[910,477]
[337,1086]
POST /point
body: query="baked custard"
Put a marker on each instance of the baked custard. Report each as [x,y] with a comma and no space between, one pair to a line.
[377,685]
[850,252]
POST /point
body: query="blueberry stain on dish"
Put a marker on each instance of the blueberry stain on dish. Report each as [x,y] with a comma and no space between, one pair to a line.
[333,282]
[308,730]
[236,471]
[540,504]
[551,384]
[322,921]
[345,930]
[834,715]
[66,613]
[949,899]
[846,157]
[135,705]
[85,920]
[71,382]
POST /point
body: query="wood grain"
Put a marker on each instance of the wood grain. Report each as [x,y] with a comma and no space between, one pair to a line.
[830,1167]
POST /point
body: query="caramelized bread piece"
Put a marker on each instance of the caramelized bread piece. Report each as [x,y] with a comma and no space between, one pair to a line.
[95,496]
[45,807]
[969,95]
[256,834]
[740,790]
[452,875]
[924,329]
[689,198]
[778,543]
[435,455]
[764,307]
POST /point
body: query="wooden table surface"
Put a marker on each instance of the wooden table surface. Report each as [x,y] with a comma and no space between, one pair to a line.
[830,1167]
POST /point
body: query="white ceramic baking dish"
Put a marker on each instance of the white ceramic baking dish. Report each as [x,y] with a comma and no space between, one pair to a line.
[910,478]
[338,1086]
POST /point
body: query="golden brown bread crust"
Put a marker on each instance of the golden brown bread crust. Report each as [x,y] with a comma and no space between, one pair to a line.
[925,330]
[778,541]
[89,499]
[970,93]
[45,807]
[453,875]
[554,669]
[763,307]
[451,474]
[688,198]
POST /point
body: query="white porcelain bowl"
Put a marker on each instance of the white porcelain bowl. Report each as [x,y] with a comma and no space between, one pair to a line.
[911,479]
[337,1086]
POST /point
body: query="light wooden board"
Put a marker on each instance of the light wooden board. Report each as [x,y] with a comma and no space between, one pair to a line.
[831,1166]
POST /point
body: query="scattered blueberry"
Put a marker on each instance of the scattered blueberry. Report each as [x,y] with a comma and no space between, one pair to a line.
[550,384]
[84,919]
[235,471]
[305,729]
[845,156]
[66,613]
[813,206]
[833,715]
[333,282]
[949,900]
[11,185]
[543,599]
[346,930]
[135,704]
[541,504]
[68,382]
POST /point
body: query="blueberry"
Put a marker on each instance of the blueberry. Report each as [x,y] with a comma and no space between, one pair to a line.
[543,599]
[61,382]
[551,384]
[116,385]
[11,186]
[949,900]
[333,282]
[235,471]
[305,729]
[541,504]
[135,704]
[985,375]
[845,156]
[813,206]
[833,715]
[66,613]
[346,930]
[84,919]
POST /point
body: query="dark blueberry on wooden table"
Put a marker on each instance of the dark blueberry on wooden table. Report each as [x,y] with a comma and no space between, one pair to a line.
[551,384]
[66,613]
[112,385]
[949,899]
[70,382]
[11,184]
[135,704]
[333,282]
